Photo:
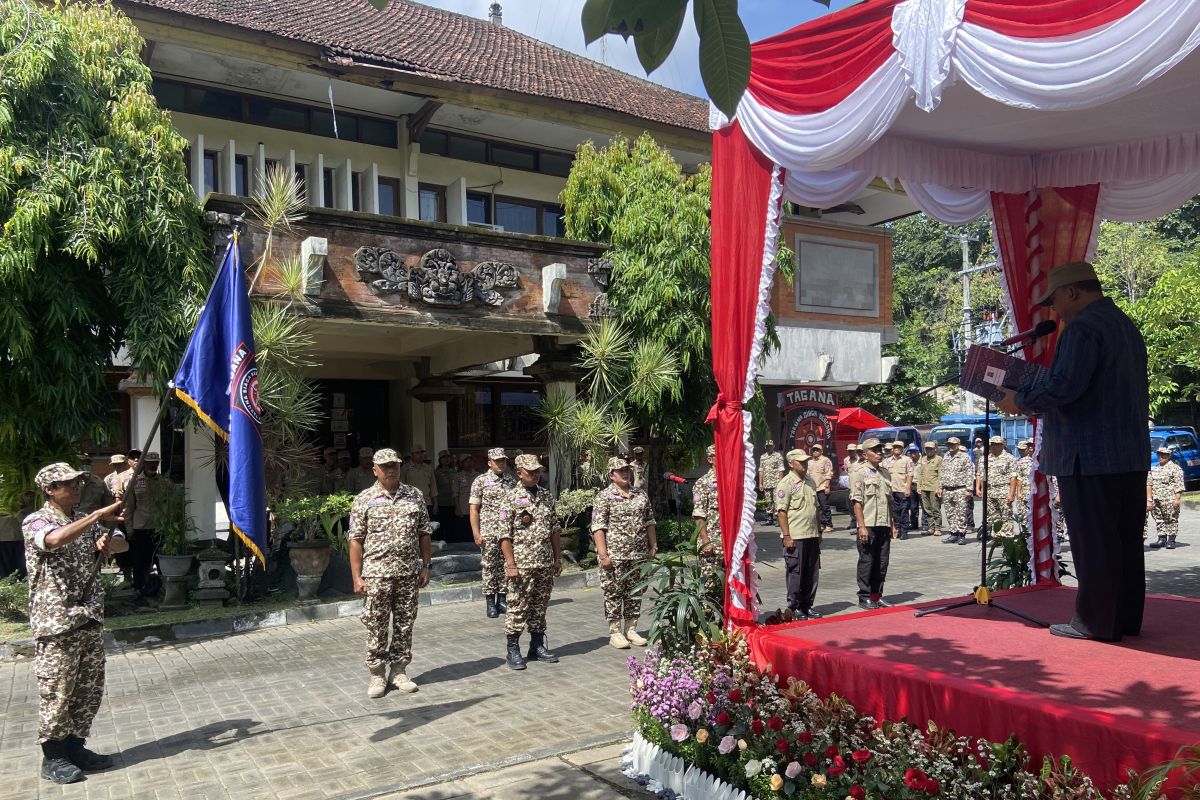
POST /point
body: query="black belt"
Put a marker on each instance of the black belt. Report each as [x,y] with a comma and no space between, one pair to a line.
[954,487]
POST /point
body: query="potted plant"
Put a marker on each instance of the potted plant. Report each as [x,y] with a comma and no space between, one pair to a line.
[169,513]
[316,526]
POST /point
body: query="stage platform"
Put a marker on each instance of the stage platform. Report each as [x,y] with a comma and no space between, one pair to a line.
[983,672]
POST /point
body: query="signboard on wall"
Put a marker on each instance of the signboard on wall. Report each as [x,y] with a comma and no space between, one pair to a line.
[808,413]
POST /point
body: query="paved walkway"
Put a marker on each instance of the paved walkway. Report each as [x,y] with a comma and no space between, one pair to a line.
[282,713]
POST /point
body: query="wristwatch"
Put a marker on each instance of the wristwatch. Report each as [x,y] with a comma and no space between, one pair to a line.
[427,566]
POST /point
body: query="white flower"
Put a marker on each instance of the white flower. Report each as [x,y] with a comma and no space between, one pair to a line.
[792,769]
[694,710]
[753,767]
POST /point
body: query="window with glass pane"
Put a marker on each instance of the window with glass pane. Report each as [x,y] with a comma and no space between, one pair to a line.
[329,194]
[467,149]
[516,217]
[389,197]
[552,221]
[377,131]
[212,176]
[302,179]
[434,143]
[555,164]
[276,115]
[472,419]
[322,125]
[208,103]
[479,208]
[241,176]
[171,96]
[432,203]
[356,181]
[516,157]
[519,422]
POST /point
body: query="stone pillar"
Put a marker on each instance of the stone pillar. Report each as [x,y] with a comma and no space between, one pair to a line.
[557,371]
[143,407]
[431,396]
[204,501]
[456,202]
[437,430]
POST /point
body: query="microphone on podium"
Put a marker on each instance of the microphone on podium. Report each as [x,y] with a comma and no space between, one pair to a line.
[1043,328]
[671,476]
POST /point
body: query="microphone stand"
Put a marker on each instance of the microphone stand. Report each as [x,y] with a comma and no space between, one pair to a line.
[983,594]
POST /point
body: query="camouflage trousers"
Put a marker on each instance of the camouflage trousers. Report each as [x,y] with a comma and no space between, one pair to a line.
[769,496]
[1166,518]
[999,511]
[390,608]
[492,564]
[528,599]
[1060,526]
[955,503]
[711,563]
[70,676]
[621,600]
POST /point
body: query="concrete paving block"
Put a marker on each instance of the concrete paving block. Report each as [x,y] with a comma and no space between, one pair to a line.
[254,622]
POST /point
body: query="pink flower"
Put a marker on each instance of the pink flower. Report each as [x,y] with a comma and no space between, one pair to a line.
[679,732]
[792,769]
[726,745]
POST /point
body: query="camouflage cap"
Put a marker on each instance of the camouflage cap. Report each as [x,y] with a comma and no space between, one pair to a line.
[954,440]
[852,447]
[1162,448]
[152,456]
[116,459]
[616,462]
[870,444]
[386,456]
[797,455]
[528,461]
[55,473]
[637,451]
[443,454]
[366,452]
[497,453]
[710,451]
[769,443]
[996,440]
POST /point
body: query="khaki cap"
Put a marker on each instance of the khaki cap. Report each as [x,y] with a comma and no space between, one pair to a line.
[528,461]
[1065,275]
[797,455]
[996,440]
[55,473]
[497,453]
[896,444]
[387,456]
[1164,449]
[931,445]
[954,440]
[116,459]
[852,447]
[870,444]
[711,451]
[366,451]
[819,446]
[152,456]
[616,463]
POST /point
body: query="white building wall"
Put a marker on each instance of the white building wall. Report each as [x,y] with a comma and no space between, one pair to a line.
[824,356]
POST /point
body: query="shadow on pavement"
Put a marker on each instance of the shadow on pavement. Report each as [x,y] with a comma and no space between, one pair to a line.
[202,738]
[580,647]
[412,718]
[463,669]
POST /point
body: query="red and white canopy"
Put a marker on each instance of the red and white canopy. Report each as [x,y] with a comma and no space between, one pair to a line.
[1050,114]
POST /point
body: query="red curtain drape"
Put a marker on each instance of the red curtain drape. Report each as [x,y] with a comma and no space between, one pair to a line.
[1037,232]
[741,192]
[1045,18]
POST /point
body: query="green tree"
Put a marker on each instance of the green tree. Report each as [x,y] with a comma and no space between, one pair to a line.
[1130,257]
[101,243]
[1168,316]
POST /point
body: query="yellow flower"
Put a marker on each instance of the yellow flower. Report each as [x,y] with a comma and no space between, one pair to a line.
[819,781]
[702,736]
[742,744]
[776,782]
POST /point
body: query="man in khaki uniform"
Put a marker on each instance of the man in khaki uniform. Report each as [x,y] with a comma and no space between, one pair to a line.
[770,471]
[929,485]
[706,513]
[390,557]
[93,492]
[114,481]
[820,469]
[418,474]
[957,485]
[343,474]
[870,500]
[800,529]
[851,462]
[900,467]
[362,477]
[1001,466]
[623,527]
[144,540]
[486,499]
[638,463]
[1164,495]
[530,539]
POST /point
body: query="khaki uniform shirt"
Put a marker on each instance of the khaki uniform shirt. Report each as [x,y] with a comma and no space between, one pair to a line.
[139,509]
[901,469]
[444,478]
[420,477]
[821,472]
[929,474]
[462,492]
[390,527]
[1165,481]
[1000,472]
[488,491]
[851,464]
[958,471]
[65,592]
[705,506]
[771,469]
[872,489]
[798,497]
[359,480]
[93,494]
[624,521]
[115,483]
[527,519]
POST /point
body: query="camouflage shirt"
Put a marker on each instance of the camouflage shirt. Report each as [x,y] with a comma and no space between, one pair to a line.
[1023,469]
[1165,481]
[390,527]
[1000,472]
[527,519]
[488,491]
[113,481]
[65,592]
[705,506]
[624,521]
[958,471]
[770,468]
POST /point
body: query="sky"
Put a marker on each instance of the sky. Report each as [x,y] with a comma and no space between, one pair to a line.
[557,22]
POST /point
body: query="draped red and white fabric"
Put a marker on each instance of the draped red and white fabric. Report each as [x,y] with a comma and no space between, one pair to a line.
[838,102]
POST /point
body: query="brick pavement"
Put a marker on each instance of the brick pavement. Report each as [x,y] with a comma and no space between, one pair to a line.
[282,713]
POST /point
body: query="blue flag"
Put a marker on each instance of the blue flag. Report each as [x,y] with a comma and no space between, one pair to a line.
[219,380]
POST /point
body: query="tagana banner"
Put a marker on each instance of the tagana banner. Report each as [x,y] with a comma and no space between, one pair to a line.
[808,417]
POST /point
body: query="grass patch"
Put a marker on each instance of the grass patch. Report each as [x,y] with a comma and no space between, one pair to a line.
[197,614]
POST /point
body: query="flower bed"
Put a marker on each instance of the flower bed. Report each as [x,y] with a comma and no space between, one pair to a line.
[717,712]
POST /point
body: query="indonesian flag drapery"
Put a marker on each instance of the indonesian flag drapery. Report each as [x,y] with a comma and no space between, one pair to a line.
[818,123]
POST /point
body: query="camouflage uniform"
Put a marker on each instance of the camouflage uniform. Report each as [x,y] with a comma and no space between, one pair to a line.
[1060,519]
[1023,470]
[489,491]
[770,471]
[527,519]
[958,478]
[705,506]
[390,527]
[113,482]
[1165,482]
[1000,472]
[66,614]
[624,519]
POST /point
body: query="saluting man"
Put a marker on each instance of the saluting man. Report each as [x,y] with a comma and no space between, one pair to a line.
[66,615]
[623,527]
[870,498]
[706,513]
[390,558]
[1164,494]
[957,484]
[530,539]
[800,530]
[486,499]
[770,471]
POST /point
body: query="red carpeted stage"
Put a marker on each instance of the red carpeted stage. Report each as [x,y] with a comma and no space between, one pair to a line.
[986,673]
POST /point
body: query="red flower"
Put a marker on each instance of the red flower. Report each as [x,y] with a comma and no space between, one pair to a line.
[858,793]
[723,718]
[831,751]
[774,723]
[861,756]
[838,767]
[933,786]
[915,779]
[735,696]
[710,697]
[810,759]
[757,726]
[781,745]
[804,738]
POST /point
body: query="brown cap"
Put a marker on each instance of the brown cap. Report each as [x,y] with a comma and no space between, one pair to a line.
[152,456]
[929,445]
[1065,275]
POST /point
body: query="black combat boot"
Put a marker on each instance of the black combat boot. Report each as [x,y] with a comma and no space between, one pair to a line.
[514,651]
[1170,545]
[85,759]
[502,603]
[55,764]
[1160,542]
[537,649]
[492,613]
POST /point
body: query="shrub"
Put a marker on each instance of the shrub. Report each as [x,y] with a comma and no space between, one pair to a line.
[14,599]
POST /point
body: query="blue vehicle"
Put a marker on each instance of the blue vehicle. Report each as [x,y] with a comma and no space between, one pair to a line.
[1184,447]
[905,433]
